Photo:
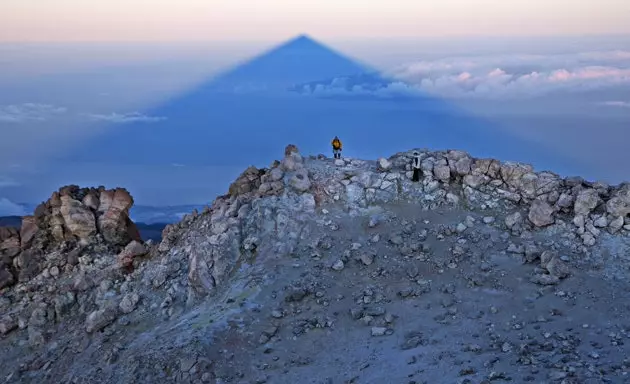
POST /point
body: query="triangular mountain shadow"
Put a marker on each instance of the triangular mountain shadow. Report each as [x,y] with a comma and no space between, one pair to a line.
[297,61]
[248,114]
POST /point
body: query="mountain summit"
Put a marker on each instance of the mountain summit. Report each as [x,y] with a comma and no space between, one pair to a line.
[328,271]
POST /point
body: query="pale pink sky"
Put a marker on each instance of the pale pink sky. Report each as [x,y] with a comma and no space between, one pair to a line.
[216,20]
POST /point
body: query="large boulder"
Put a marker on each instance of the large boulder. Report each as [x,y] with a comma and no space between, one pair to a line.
[247,182]
[292,159]
[300,181]
[619,204]
[383,165]
[585,201]
[541,213]
[132,250]
[114,223]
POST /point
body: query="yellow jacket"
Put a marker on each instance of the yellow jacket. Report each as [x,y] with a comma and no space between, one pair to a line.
[336,144]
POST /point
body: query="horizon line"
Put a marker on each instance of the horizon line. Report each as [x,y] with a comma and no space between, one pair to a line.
[316,38]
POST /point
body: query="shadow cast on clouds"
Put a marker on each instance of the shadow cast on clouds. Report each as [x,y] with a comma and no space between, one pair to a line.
[248,113]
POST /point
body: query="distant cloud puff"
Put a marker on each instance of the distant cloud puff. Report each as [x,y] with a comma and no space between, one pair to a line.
[622,104]
[9,208]
[124,118]
[21,113]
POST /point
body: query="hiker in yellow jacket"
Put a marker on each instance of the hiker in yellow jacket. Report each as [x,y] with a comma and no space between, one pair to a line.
[337,146]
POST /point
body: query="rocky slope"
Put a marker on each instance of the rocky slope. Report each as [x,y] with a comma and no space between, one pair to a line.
[325,271]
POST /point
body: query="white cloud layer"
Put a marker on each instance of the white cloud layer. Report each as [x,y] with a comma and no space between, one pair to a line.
[125,118]
[9,208]
[28,112]
[495,77]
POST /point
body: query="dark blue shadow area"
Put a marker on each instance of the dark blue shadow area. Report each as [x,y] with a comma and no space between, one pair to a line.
[247,115]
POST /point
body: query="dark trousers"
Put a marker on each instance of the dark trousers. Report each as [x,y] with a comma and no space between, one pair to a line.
[417,172]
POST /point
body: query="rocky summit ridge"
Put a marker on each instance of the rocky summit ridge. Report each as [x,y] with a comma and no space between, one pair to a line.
[311,251]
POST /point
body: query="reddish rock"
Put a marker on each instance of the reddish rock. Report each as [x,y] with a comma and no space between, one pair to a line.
[114,223]
[131,251]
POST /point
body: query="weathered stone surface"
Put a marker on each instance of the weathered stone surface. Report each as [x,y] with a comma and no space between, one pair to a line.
[100,319]
[9,241]
[6,276]
[79,219]
[585,201]
[383,164]
[442,172]
[513,219]
[28,231]
[129,302]
[300,181]
[114,223]
[541,213]
[132,250]
[247,182]
[619,204]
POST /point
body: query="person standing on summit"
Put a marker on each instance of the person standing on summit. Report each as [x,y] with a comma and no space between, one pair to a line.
[416,164]
[337,146]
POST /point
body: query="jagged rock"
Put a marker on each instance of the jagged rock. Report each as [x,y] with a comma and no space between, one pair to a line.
[78,218]
[259,239]
[442,171]
[616,224]
[619,204]
[513,219]
[114,223]
[292,160]
[383,164]
[29,264]
[28,231]
[131,251]
[91,200]
[541,213]
[558,268]
[247,182]
[129,302]
[100,319]
[585,201]
[300,181]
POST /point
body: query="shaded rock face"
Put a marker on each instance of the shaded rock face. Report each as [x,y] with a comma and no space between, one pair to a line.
[72,217]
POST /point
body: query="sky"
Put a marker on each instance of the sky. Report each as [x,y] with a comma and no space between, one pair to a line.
[273,20]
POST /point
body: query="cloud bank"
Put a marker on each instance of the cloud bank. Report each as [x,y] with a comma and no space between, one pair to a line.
[492,77]
[29,112]
[125,118]
[9,208]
